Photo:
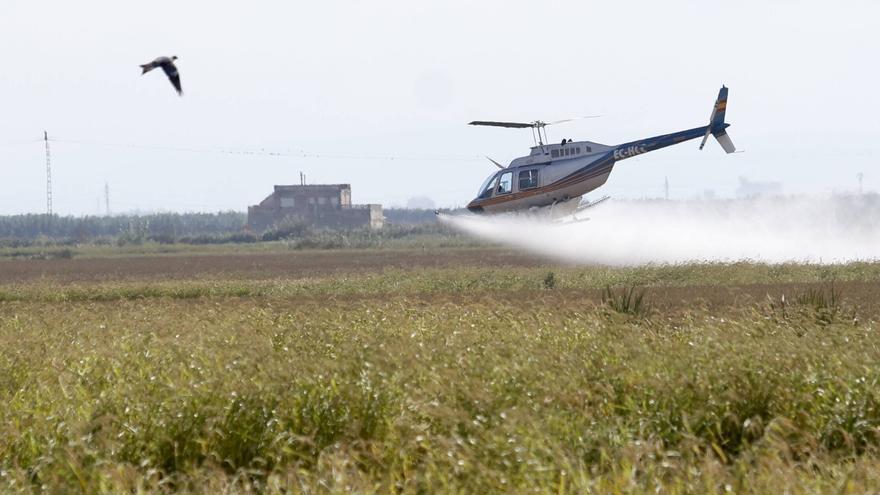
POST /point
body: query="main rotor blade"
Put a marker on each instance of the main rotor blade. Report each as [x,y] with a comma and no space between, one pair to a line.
[517,125]
[496,163]
[573,118]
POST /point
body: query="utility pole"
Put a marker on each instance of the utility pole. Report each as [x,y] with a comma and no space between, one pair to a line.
[302,179]
[666,187]
[107,197]
[48,175]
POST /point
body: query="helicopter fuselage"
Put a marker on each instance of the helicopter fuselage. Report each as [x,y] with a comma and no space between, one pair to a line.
[557,173]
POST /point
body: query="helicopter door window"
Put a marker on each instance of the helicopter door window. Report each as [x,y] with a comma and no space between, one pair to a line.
[505,183]
[528,179]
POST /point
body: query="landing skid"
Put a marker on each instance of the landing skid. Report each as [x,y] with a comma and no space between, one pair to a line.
[559,213]
[573,217]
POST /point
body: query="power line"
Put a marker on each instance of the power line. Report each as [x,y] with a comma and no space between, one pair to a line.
[20,142]
[271,153]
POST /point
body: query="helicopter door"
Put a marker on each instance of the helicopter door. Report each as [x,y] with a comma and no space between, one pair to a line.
[505,183]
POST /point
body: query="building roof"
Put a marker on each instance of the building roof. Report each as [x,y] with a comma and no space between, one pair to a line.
[312,187]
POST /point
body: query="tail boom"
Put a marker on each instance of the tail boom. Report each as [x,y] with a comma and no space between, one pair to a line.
[717,128]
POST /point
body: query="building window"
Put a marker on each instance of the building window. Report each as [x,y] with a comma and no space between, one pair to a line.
[288,201]
[554,153]
[311,201]
[528,179]
[322,200]
[334,201]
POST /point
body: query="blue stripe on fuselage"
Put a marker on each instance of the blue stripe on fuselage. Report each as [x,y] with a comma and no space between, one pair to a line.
[606,160]
[631,149]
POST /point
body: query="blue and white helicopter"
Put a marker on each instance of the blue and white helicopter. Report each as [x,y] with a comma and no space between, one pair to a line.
[553,177]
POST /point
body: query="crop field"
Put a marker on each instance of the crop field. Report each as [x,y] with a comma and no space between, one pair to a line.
[456,369]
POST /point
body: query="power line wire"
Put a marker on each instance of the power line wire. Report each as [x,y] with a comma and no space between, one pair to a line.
[20,142]
[269,153]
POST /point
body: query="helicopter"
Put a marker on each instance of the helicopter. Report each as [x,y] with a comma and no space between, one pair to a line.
[553,177]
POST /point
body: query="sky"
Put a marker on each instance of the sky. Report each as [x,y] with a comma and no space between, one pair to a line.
[378,94]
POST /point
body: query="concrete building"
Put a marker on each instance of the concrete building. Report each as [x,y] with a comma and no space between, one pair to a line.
[321,205]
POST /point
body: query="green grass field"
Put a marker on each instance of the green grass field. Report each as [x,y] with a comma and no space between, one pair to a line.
[488,374]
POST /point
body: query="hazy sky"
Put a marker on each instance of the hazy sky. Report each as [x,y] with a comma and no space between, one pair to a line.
[351,81]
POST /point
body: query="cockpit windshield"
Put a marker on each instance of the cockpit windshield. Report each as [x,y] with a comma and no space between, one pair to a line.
[486,188]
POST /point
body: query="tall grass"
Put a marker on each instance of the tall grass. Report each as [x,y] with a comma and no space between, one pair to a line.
[506,388]
[629,301]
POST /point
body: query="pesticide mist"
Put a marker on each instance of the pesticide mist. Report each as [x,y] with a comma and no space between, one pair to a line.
[771,230]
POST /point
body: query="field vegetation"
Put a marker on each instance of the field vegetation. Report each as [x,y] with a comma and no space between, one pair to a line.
[19,231]
[488,374]
[288,236]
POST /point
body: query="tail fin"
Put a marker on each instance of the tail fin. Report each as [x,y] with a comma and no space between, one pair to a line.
[720,109]
[717,125]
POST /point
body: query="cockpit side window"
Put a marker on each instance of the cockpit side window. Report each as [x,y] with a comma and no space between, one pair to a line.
[528,179]
[487,187]
[505,183]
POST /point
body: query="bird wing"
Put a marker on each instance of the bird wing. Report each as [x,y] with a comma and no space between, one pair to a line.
[171,71]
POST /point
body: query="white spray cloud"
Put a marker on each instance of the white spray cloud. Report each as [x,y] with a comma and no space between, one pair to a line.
[771,230]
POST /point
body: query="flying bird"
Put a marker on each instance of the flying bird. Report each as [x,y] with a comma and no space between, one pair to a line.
[167,65]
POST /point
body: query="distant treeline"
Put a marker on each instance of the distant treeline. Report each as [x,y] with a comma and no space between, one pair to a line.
[201,228]
[169,224]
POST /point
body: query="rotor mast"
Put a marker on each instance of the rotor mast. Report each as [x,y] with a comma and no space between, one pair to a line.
[537,128]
